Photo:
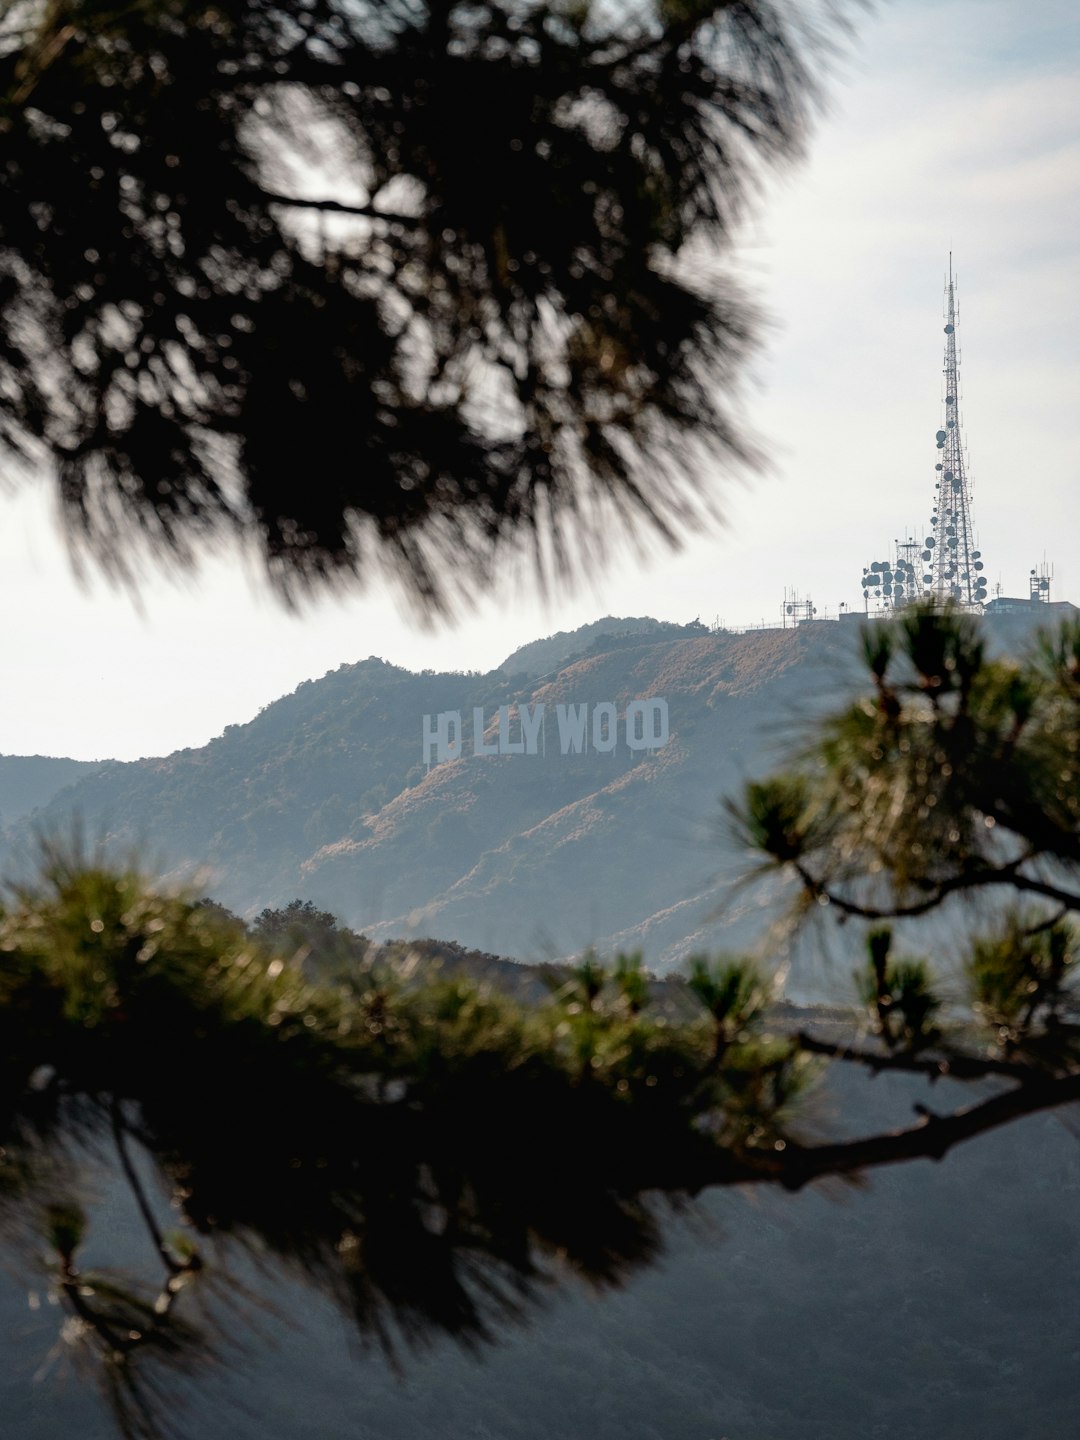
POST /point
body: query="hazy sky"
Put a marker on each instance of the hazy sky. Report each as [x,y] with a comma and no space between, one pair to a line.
[952,123]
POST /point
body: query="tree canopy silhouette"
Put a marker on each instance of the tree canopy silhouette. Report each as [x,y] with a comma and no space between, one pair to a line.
[380,280]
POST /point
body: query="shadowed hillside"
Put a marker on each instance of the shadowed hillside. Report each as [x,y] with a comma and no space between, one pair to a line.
[28,782]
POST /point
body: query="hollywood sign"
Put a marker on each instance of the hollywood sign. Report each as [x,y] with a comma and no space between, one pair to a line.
[643,725]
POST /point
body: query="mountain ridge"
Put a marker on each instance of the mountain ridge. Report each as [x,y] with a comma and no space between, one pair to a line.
[326,794]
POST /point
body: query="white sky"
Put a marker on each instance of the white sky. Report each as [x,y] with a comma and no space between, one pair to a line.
[952,123]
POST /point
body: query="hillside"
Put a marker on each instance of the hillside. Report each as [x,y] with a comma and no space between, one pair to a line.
[541,657]
[326,794]
[28,782]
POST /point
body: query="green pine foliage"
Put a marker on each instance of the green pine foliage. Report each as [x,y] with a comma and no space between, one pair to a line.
[422,1148]
[956,774]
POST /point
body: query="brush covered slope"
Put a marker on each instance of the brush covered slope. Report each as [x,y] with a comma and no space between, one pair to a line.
[326,794]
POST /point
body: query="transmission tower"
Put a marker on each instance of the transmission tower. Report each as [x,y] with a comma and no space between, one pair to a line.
[953,567]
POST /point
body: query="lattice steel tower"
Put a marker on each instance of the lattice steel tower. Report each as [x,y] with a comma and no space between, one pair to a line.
[953,565]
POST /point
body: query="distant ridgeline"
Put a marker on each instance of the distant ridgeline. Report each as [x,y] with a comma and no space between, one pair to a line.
[571,796]
[586,804]
[545,657]
[521,730]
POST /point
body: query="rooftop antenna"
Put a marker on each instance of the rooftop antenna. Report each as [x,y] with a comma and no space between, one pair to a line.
[889,585]
[795,610]
[1039,583]
[952,565]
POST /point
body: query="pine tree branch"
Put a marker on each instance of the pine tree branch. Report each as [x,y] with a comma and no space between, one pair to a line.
[955,1067]
[980,879]
[796,1165]
[174,1266]
[71,1288]
[1048,923]
[338,207]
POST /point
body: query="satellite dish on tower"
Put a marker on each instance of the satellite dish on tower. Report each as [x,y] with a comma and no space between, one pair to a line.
[950,525]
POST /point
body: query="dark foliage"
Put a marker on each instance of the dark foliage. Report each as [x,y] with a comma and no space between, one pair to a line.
[428,1151]
[378,279]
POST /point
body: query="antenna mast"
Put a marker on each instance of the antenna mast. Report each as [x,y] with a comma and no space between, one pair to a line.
[953,567]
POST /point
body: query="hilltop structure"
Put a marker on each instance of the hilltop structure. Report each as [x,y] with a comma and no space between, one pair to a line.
[953,565]
[946,566]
